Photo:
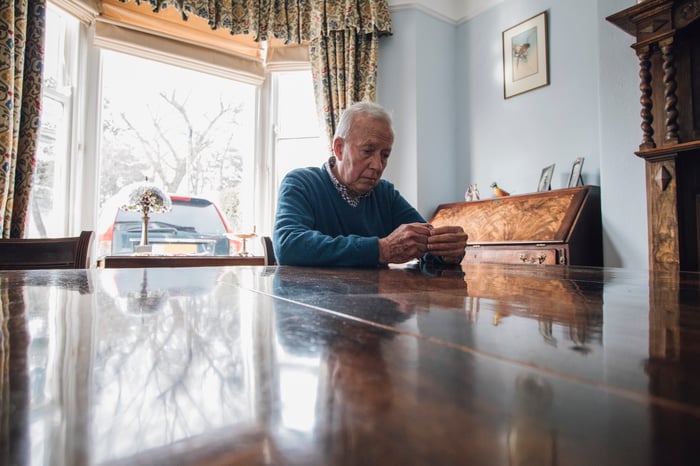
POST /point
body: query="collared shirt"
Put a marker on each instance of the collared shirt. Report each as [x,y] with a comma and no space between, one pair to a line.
[345,193]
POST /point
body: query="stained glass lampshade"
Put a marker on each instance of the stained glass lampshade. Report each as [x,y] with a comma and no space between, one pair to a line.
[146,198]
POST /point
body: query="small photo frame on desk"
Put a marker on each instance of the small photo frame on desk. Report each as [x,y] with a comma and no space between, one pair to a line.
[525,56]
[546,179]
[575,179]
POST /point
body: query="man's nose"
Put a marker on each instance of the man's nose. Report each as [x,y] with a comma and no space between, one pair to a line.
[376,162]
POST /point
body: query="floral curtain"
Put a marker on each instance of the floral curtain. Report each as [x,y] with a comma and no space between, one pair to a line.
[344,57]
[22,24]
[344,68]
[343,36]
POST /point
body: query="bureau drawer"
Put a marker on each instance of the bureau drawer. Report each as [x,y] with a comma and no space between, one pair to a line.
[515,255]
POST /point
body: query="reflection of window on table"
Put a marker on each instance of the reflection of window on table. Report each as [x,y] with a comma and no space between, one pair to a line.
[298,389]
[58,356]
[188,367]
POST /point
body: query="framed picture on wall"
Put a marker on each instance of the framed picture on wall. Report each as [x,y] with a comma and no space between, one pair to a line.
[546,179]
[525,56]
[575,178]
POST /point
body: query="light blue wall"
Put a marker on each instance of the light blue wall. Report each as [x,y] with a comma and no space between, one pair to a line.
[397,90]
[464,131]
[417,81]
[437,140]
[511,140]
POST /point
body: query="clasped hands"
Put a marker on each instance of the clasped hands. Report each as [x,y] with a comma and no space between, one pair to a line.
[413,240]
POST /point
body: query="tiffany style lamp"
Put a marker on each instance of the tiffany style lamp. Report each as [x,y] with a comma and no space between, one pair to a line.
[146,198]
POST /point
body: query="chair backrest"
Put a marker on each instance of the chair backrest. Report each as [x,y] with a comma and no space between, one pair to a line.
[46,253]
[269,250]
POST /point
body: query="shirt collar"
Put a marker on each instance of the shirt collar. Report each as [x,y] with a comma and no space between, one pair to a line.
[343,190]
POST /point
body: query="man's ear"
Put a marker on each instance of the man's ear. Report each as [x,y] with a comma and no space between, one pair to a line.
[338,144]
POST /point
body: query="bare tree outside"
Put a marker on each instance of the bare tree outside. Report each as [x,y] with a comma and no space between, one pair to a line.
[188,134]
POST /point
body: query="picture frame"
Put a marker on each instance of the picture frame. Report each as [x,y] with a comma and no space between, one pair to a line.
[575,177]
[525,56]
[545,183]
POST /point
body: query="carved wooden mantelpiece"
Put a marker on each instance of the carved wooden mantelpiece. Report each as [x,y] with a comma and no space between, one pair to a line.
[667,34]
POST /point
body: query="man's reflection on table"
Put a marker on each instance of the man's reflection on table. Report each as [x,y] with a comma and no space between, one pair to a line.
[355,392]
[531,437]
[415,287]
[424,287]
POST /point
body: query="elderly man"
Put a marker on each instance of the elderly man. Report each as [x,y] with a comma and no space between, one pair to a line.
[344,214]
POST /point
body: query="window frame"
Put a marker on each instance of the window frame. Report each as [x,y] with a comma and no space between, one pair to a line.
[278,133]
[84,64]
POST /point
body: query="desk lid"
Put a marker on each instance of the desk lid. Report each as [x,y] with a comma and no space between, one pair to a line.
[543,217]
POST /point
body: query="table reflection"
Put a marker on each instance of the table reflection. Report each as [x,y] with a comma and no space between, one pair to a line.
[532,437]
[159,360]
[16,371]
[550,301]
[353,387]
[351,390]
[147,299]
[168,372]
[487,309]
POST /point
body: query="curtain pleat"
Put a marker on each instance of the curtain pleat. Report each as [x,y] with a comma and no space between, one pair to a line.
[22,25]
[344,68]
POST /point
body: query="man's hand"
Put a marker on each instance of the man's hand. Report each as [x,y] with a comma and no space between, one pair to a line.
[407,242]
[448,242]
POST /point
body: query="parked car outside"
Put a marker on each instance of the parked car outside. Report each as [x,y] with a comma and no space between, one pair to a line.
[194,226]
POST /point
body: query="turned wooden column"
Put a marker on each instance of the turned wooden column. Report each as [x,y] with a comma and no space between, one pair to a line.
[645,87]
[667,34]
[670,99]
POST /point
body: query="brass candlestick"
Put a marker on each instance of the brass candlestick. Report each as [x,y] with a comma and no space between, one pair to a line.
[245,236]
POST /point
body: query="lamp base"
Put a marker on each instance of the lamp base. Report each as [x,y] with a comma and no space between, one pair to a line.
[143,249]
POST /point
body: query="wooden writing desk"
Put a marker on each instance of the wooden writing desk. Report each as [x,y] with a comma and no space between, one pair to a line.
[120,262]
[561,226]
[488,365]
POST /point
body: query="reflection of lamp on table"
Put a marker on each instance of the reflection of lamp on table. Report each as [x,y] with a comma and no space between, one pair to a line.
[146,198]
[245,236]
[146,300]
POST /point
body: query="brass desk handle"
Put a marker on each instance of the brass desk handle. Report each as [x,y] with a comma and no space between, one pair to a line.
[533,260]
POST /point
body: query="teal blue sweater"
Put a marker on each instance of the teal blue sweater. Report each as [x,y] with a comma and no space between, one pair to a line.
[315,226]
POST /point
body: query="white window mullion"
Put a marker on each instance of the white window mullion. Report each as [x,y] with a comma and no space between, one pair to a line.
[86,135]
[265,188]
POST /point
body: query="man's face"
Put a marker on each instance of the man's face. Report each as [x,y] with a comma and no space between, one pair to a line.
[363,155]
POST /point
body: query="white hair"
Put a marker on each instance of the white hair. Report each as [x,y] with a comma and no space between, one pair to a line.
[365,107]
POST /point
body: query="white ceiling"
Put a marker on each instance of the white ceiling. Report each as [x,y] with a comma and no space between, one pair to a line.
[454,10]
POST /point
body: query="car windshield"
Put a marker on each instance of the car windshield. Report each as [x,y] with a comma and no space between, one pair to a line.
[198,215]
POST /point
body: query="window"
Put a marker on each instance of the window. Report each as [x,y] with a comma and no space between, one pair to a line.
[191,132]
[299,142]
[49,199]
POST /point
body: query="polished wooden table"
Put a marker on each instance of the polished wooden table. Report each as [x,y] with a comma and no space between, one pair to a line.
[487,365]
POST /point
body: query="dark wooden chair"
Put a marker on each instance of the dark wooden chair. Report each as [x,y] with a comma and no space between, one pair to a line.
[269,250]
[46,253]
